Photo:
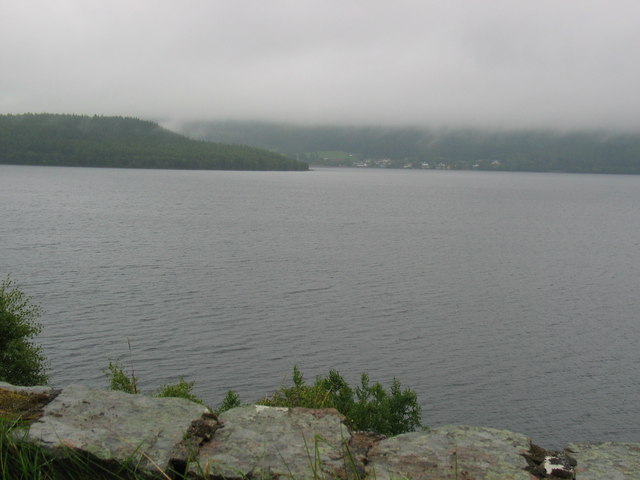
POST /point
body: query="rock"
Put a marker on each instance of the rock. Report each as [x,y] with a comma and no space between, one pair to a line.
[38,390]
[270,442]
[550,463]
[359,446]
[557,466]
[451,452]
[115,427]
[23,404]
[160,435]
[607,460]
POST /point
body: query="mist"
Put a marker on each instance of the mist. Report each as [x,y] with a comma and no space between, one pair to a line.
[462,63]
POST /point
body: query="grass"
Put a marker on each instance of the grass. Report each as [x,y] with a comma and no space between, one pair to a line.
[21,460]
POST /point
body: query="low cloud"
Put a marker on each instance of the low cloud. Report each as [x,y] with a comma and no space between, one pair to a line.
[461,63]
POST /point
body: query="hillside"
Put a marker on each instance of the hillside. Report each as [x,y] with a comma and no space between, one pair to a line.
[518,150]
[75,140]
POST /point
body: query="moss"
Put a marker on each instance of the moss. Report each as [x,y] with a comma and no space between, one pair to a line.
[22,406]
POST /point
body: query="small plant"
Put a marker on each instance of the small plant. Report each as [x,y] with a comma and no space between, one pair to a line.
[231,400]
[389,413]
[182,389]
[367,407]
[21,362]
[119,380]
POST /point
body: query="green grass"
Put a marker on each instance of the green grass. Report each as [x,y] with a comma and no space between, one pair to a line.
[21,460]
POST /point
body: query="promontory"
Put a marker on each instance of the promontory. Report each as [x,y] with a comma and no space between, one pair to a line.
[121,142]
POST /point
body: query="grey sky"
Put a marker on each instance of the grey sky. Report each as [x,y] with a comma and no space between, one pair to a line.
[504,63]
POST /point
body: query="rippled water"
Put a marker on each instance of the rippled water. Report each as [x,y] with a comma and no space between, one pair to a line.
[507,300]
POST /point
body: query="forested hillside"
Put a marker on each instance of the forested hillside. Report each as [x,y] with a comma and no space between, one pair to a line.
[524,150]
[75,140]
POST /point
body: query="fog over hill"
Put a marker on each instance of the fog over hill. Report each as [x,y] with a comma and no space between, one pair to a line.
[524,150]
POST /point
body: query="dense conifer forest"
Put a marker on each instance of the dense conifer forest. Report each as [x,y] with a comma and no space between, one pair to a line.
[84,141]
[517,150]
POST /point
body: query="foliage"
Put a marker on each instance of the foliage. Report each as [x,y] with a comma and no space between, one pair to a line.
[182,389]
[390,413]
[21,362]
[21,460]
[76,140]
[119,380]
[231,400]
[367,407]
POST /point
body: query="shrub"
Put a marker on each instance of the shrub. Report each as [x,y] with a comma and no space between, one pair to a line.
[182,389]
[119,380]
[21,362]
[367,407]
[231,400]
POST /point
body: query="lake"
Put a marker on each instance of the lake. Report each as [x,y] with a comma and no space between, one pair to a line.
[508,300]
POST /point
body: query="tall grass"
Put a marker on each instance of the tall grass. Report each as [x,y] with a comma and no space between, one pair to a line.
[21,460]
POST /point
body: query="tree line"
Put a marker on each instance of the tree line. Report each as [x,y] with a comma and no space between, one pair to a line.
[517,150]
[84,141]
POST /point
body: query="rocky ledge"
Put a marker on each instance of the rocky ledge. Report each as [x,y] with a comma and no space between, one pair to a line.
[164,437]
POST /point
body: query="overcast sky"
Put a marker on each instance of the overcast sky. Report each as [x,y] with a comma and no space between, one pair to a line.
[496,63]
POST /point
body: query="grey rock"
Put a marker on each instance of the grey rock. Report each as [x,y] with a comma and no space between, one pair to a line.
[115,427]
[269,442]
[451,452]
[256,442]
[38,390]
[606,460]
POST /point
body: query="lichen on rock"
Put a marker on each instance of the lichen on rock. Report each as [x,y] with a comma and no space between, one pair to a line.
[23,404]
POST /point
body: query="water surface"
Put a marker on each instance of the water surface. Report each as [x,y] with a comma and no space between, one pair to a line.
[507,300]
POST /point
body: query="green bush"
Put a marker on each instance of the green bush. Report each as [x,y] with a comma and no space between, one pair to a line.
[21,362]
[182,389]
[231,400]
[367,407]
[119,380]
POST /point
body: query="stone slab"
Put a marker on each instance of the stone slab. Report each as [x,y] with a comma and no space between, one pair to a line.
[270,442]
[115,426]
[606,460]
[37,390]
[451,452]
